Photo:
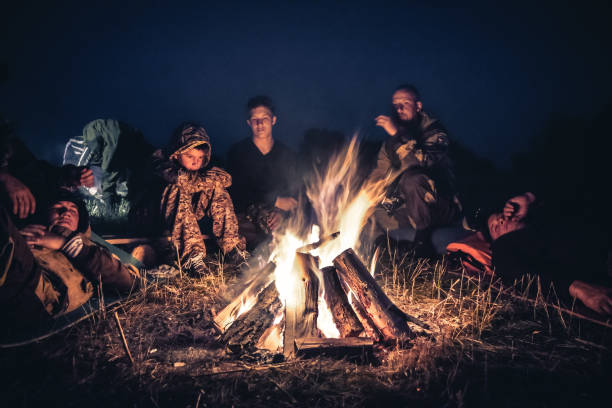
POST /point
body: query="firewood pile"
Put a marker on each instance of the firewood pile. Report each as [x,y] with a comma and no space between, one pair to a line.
[361,311]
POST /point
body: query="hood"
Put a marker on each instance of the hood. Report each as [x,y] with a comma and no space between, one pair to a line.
[186,137]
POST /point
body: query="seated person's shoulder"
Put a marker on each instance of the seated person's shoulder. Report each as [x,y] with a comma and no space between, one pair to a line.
[218,175]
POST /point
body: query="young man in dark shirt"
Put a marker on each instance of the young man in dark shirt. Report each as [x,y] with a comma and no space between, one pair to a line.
[264,174]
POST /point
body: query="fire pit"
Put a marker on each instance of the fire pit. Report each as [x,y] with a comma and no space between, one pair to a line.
[316,293]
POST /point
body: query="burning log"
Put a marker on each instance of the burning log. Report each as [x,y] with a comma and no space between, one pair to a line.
[301,309]
[226,316]
[379,308]
[344,317]
[366,322]
[311,247]
[246,331]
[350,346]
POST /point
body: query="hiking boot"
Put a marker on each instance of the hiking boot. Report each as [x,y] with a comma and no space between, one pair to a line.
[237,256]
[195,265]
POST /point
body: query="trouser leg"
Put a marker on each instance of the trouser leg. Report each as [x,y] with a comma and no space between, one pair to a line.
[425,207]
[224,221]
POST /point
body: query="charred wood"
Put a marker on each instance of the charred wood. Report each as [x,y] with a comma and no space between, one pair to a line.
[379,308]
[344,317]
[351,347]
[246,331]
[260,281]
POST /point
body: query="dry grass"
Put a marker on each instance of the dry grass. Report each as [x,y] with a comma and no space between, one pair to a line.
[484,347]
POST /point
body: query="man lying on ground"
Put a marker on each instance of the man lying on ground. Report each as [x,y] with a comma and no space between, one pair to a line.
[49,270]
[520,240]
[195,194]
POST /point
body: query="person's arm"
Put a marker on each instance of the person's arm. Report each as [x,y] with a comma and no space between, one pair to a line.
[24,203]
[95,262]
[517,207]
[99,265]
[595,297]
[383,165]
[433,149]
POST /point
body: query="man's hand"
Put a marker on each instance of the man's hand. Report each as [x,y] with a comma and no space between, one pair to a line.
[286,203]
[36,234]
[274,220]
[386,123]
[24,203]
[595,297]
[87,177]
[517,207]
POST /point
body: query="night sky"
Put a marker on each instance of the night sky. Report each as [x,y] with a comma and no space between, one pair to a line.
[493,75]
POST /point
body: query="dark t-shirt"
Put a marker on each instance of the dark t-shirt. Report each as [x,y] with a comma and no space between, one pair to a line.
[258,178]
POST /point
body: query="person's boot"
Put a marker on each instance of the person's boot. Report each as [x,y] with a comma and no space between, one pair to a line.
[237,256]
[195,265]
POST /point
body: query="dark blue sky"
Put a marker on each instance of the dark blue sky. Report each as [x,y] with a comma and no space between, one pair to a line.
[492,74]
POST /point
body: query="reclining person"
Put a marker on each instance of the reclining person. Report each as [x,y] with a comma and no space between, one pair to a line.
[49,270]
[423,196]
[195,193]
[521,241]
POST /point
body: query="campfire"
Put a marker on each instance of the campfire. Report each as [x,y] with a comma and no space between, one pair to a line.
[316,292]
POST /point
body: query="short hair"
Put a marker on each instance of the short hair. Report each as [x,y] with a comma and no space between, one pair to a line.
[260,100]
[409,88]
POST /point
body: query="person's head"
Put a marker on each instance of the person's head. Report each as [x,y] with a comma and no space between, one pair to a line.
[498,225]
[67,213]
[406,102]
[261,116]
[190,146]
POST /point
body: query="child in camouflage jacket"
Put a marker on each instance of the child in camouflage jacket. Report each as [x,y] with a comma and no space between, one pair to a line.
[195,191]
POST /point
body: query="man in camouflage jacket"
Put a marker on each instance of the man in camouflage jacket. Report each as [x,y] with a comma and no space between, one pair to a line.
[416,154]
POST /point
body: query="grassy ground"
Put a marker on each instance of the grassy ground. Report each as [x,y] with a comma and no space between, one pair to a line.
[484,348]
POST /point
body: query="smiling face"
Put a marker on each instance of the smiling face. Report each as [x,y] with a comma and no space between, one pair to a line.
[498,225]
[261,121]
[406,104]
[64,214]
[192,159]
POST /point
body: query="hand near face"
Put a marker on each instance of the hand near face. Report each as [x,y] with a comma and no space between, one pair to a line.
[24,203]
[87,177]
[595,297]
[36,234]
[517,207]
[387,124]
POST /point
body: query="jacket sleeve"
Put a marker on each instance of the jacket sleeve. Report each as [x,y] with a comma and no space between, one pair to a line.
[429,152]
[98,264]
[383,164]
